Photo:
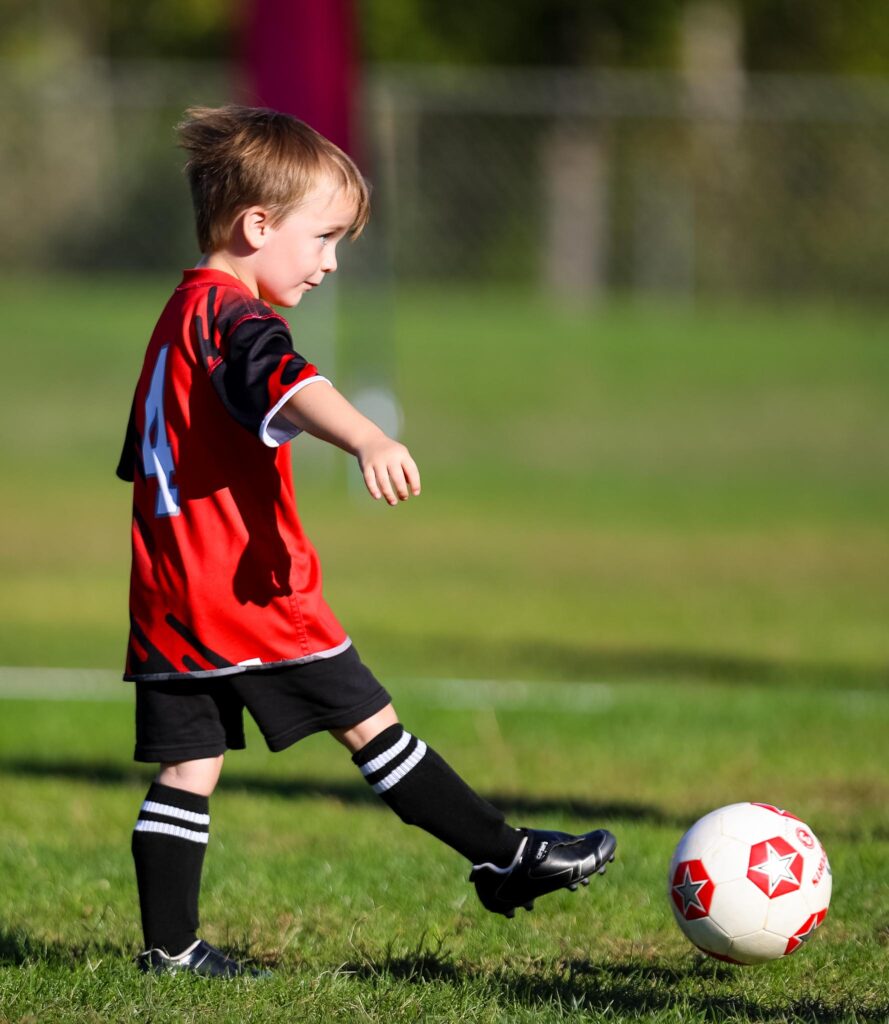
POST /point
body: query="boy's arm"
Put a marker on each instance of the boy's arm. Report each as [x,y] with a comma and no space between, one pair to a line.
[388,469]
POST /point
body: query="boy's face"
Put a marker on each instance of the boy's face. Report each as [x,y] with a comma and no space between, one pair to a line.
[296,255]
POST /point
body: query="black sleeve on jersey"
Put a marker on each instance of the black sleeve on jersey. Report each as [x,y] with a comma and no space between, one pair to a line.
[253,353]
[126,467]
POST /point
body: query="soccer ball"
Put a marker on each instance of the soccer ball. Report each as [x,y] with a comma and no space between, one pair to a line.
[749,883]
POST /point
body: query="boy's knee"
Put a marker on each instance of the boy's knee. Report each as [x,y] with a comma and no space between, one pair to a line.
[198,776]
[357,736]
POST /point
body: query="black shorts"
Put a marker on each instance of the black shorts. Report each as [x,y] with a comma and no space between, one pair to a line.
[182,720]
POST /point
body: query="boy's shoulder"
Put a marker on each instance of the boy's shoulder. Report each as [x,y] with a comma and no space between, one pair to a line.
[233,306]
[241,326]
[216,312]
[224,301]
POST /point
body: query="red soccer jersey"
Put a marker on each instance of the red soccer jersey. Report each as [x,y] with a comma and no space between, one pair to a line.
[223,577]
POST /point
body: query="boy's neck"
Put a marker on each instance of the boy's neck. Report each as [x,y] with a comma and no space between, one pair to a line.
[229,264]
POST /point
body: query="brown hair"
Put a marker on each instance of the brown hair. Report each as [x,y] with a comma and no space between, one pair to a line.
[244,156]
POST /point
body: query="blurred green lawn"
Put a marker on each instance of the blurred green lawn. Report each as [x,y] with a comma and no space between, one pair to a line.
[633,490]
[613,500]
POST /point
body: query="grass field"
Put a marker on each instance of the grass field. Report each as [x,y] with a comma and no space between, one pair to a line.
[671,525]
[368,920]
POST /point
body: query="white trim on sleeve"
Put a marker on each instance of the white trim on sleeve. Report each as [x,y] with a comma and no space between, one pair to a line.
[276,430]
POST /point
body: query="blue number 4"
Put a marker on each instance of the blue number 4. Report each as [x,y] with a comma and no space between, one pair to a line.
[157,456]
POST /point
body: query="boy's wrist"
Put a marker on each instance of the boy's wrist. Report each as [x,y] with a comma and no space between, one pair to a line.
[367,437]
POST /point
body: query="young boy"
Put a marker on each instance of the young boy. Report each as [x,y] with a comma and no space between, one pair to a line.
[226,608]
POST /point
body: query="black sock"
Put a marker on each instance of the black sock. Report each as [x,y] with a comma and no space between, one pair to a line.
[169,842]
[424,790]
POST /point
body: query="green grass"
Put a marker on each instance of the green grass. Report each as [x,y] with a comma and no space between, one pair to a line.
[366,919]
[671,524]
[647,489]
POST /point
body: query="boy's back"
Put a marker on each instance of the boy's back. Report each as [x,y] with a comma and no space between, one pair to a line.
[223,575]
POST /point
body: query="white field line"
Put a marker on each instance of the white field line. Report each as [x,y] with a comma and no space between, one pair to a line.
[66,684]
[470,694]
[28,683]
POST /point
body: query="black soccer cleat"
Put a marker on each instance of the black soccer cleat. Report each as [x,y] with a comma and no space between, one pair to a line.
[545,861]
[200,958]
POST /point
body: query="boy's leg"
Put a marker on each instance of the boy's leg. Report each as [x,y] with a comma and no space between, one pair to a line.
[186,726]
[511,867]
[424,790]
[169,842]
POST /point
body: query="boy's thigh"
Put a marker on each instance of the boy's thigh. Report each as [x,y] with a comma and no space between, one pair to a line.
[185,720]
[295,701]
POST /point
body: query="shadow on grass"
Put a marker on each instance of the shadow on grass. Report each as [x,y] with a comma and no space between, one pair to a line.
[357,793]
[17,948]
[622,990]
[517,806]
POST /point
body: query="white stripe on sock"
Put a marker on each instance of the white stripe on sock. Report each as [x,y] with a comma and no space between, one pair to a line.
[175,812]
[382,759]
[142,825]
[399,773]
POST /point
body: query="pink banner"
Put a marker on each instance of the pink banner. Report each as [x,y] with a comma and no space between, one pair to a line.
[299,56]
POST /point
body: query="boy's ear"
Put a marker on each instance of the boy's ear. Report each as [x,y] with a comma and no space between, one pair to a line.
[254,225]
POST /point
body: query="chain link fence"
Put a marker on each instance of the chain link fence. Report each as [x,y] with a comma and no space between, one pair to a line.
[573,182]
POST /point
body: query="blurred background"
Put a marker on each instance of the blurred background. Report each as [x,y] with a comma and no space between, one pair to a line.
[624,294]
[688,147]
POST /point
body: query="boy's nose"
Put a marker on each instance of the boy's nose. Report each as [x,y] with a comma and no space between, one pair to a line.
[328,264]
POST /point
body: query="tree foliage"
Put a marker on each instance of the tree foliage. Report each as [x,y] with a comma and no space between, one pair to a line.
[823,36]
[549,32]
[199,29]
[820,36]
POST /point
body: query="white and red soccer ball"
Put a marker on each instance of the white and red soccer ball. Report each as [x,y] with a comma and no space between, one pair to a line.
[749,883]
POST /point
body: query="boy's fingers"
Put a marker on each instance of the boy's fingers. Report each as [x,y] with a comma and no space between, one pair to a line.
[385,485]
[370,481]
[393,479]
[397,475]
[412,475]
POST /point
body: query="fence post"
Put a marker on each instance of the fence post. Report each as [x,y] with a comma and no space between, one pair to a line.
[576,211]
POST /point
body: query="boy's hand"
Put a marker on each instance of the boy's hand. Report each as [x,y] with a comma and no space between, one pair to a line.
[388,469]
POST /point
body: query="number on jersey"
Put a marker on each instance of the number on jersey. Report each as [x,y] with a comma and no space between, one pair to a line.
[157,456]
